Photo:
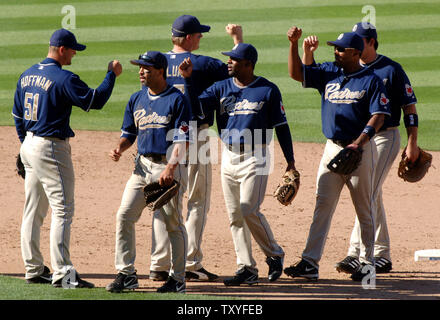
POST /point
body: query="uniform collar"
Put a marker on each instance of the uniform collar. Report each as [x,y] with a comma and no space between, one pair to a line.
[48,61]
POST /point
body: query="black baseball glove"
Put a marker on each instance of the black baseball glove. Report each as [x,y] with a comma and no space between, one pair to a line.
[346,161]
[156,196]
[20,167]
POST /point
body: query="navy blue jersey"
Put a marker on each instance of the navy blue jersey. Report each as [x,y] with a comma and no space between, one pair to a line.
[347,100]
[206,71]
[45,95]
[240,109]
[397,85]
[156,120]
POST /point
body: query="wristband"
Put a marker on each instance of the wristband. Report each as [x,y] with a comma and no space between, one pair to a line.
[369,131]
[411,120]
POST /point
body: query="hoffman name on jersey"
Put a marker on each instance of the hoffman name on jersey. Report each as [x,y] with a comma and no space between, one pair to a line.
[36,81]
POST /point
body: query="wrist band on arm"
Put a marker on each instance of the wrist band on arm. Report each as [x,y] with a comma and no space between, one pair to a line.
[411,120]
[369,131]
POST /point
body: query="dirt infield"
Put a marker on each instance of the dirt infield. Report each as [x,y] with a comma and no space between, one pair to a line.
[412,214]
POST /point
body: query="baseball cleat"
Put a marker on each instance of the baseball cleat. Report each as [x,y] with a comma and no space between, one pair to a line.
[158,275]
[302,269]
[348,265]
[275,268]
[45,277]
[123,281]
[172,286]
[360,273]
[242,276]
[200,275]
[383,265]
[67,283]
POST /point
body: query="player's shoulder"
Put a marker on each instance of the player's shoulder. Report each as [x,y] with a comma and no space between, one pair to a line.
[138,94]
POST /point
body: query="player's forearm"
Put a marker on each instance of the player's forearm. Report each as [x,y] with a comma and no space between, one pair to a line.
[294,63]
[285,140]
[375,122]
[104,91]
[411,128]
[178,154]
[308,58]
[19,127]
[124,144]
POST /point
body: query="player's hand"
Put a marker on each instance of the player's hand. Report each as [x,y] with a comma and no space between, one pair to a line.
[115,66]
[412,152]
[310,44]
[167,176]
[186,67]
[294,34]
[115,154]
[235,31]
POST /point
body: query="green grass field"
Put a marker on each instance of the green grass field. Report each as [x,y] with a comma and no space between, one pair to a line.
[409,32]
[17,289]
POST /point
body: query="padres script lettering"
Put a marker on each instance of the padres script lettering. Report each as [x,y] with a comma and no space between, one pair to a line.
[242,107]
[334,95]
[152,120]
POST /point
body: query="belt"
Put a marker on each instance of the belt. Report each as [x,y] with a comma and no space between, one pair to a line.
[155,157]
[389,128]
[242,148]
[342,143]
[31,134]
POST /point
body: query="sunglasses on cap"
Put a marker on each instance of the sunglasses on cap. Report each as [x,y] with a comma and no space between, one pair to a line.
[146,58]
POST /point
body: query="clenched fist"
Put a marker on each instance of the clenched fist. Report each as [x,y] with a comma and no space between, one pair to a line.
[115,66]
[294,33]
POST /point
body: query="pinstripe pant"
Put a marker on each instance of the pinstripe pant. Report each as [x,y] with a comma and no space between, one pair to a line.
[388,147]
[328,188]
[132,205]
[50,181]
[244,188]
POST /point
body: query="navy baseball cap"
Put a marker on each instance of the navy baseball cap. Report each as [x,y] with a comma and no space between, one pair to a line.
[365,30]
[187,24]
[348,40]
[65,38]
[243,51]
[151,58]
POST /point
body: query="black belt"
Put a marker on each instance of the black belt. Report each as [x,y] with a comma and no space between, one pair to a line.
[155,157]
[242,147]
[342,143]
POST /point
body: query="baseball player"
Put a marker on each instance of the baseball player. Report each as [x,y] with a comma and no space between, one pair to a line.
[42,106]
[353,107]
[387,140]
[186,34]
[158,117]
[246,107]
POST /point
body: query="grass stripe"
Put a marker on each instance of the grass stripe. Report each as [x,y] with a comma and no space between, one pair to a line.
[36,8]
[114,32]
[89,20]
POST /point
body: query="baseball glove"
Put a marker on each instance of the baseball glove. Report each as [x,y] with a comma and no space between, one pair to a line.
[346,161]
[288,188]
[414,171]
[156,196]
[20,167]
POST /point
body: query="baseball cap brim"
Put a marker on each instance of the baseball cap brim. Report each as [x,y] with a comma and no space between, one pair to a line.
[141,63]
[79,47]
[232,54]
[337,43]
[204,28]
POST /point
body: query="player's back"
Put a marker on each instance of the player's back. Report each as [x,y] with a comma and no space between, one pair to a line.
[45,109]
[206,71]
